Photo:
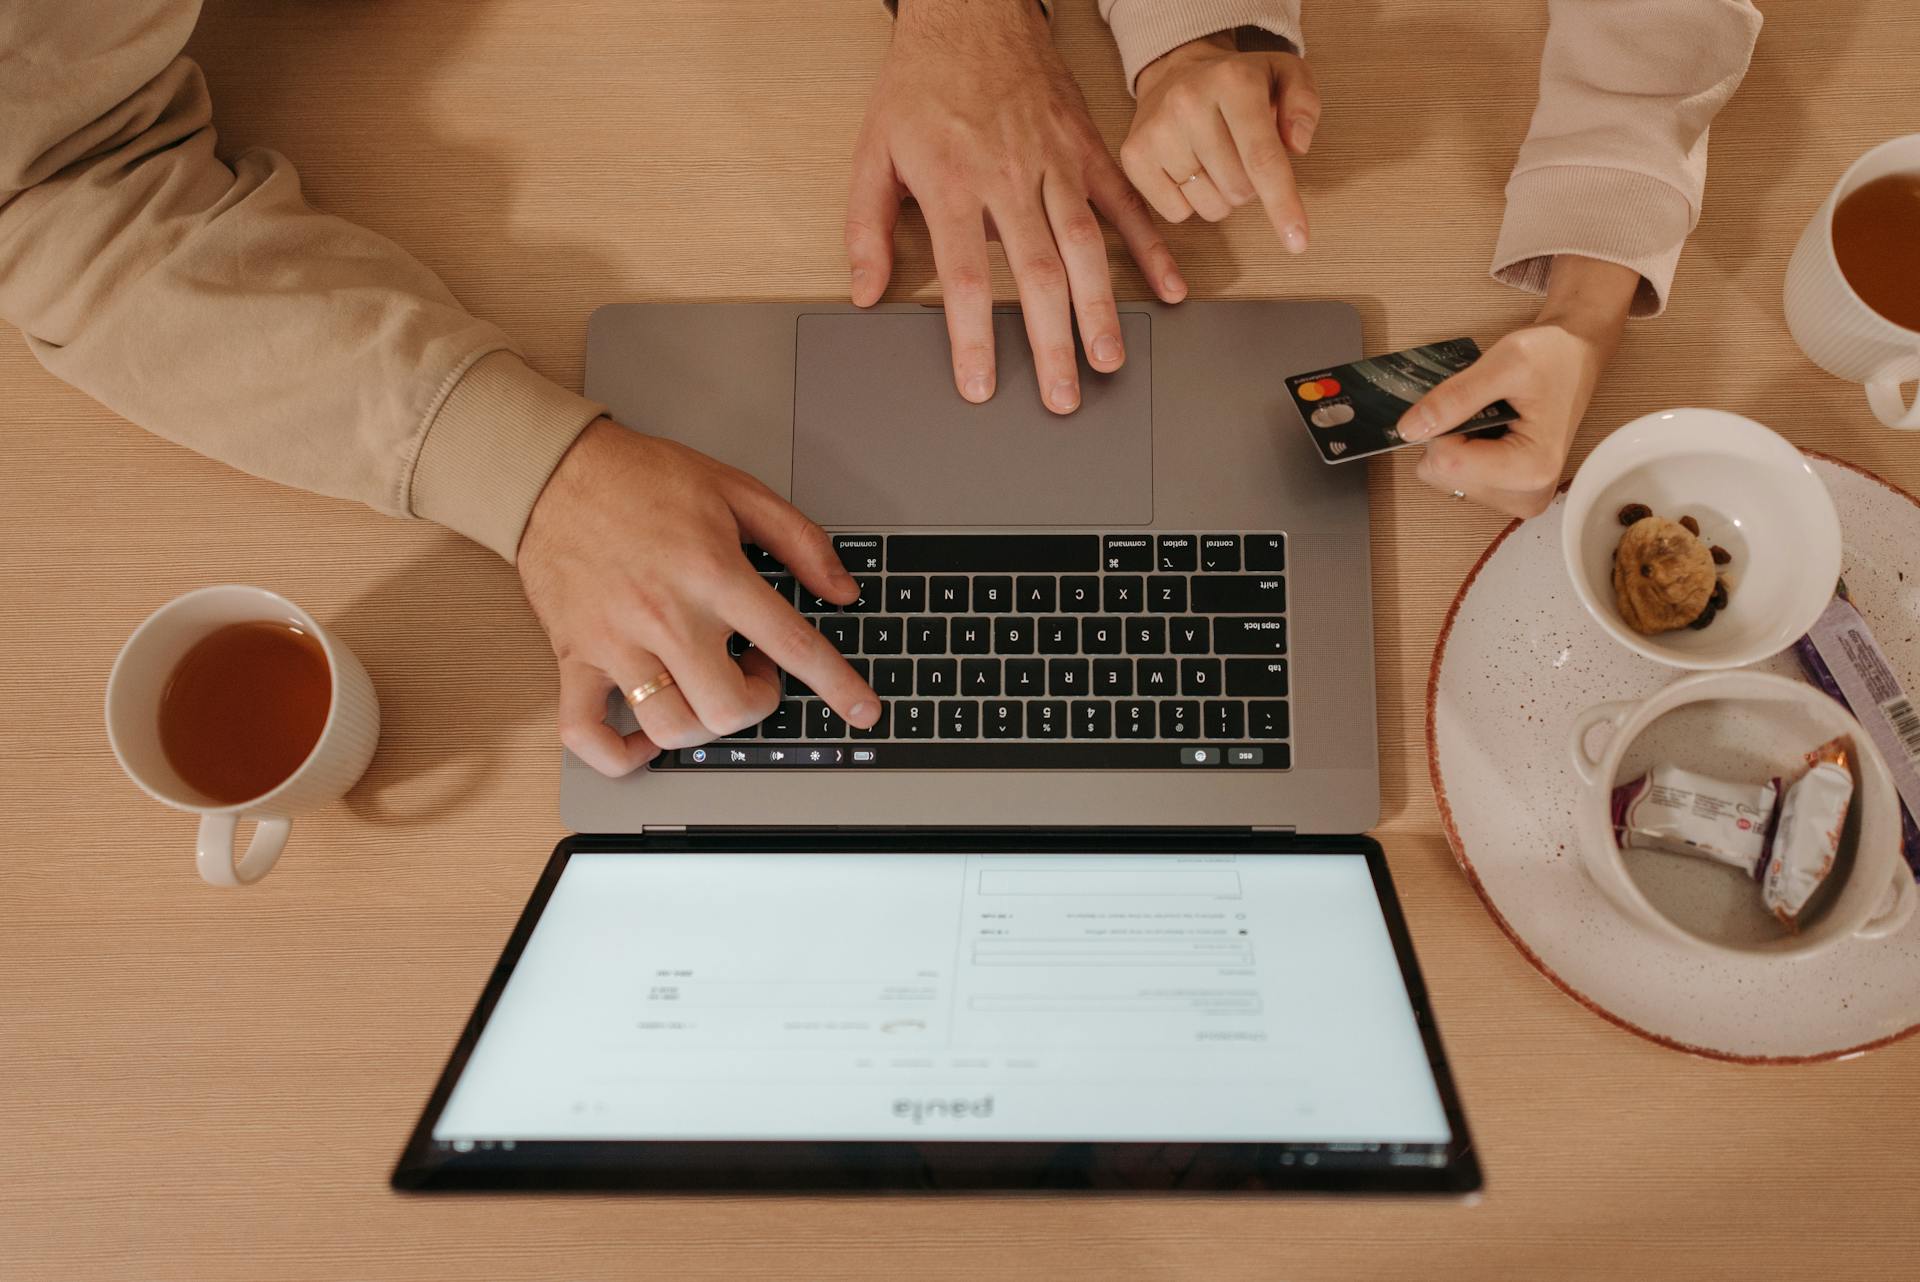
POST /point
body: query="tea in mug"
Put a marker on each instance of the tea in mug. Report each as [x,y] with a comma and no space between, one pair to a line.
[243,708]
[1876,238]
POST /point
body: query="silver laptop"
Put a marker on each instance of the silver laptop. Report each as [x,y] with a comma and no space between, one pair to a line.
[1153,613]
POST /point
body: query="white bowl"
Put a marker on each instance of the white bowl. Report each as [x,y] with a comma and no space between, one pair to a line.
[1753,494]
[1750,726]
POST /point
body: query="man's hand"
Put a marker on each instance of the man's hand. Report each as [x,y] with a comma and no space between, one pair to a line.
[978,120]
[1547,371]
[1213,130]
[632,561]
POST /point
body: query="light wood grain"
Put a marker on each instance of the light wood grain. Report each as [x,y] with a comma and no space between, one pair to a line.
[206,1085]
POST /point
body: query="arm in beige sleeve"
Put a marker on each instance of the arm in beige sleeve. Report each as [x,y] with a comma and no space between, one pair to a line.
[1148,29]
[206,301]
[1615,161]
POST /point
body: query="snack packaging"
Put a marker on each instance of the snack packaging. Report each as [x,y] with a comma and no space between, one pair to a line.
[1690,814]
[1806,840]
[1841,656]
[1787,840]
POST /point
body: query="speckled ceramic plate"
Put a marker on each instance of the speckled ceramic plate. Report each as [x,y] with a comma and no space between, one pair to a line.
[1517,659]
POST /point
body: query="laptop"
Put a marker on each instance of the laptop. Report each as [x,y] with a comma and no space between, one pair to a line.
[1088,908]
[1156,609]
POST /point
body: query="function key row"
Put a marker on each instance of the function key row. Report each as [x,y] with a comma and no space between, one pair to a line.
[1051,553]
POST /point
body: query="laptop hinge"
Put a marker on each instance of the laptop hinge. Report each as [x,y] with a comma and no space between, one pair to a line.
[663,828]
[1285,828]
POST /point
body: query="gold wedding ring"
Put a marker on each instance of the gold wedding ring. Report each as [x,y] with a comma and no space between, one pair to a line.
[641,693]
[1194,179]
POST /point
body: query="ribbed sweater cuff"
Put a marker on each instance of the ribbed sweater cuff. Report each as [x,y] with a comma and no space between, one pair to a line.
[1149,29]
[497,437]
[1615,215]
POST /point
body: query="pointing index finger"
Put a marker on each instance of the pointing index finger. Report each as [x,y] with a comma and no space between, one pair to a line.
[759,614]
[1250,120]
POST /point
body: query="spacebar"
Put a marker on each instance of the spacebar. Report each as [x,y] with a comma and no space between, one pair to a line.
[993,553]
[857,754]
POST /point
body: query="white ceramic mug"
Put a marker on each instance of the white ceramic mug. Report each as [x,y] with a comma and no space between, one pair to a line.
[1833,326]
[337,759]
[1879,894]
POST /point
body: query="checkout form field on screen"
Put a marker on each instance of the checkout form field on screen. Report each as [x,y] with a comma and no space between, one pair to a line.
[1062,997]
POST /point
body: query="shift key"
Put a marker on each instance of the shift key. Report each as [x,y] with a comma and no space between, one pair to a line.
[1257,678]
[1249,635]
[1240,594]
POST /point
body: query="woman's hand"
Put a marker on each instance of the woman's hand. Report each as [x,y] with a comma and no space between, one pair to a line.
[1214,128]
[1546,371]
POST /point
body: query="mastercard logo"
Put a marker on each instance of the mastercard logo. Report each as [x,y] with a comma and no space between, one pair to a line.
[1318,389]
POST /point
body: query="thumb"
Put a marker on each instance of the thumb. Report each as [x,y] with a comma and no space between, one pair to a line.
[873,206]
[1297,103]
[1456,400]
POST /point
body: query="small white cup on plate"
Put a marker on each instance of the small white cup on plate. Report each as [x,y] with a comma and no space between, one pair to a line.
[1749,725]
[1751,491]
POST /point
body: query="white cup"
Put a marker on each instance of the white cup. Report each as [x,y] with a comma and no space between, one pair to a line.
[1876,897]
[336,761]
[1833,326]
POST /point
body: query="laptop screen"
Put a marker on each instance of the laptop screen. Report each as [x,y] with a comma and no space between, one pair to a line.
[1058,997]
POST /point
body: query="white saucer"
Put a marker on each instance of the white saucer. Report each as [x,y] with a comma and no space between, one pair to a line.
[1517,658]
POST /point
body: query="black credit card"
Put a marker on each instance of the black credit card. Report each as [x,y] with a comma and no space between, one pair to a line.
[1353,411]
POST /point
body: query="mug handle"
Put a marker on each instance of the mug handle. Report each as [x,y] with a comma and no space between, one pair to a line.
[216,861]
[1905,895]
[1584,764]
[1890,407]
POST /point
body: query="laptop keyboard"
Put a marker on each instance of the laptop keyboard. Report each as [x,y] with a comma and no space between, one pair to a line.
[1042,651]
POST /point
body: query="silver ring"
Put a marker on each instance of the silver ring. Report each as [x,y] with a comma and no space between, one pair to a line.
[1459,494]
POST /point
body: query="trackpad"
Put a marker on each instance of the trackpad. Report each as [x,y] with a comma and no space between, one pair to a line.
[882,438]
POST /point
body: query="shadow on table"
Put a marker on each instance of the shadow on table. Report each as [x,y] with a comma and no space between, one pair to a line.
[460,666]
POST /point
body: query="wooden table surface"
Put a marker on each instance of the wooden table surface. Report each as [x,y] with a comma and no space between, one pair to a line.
[200,1084]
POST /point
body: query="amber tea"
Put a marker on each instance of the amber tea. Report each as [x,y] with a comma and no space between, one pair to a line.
[243,709]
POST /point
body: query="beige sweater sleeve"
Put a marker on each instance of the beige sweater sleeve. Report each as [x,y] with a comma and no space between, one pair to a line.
[1146,29]
[1615,161]
[206,301]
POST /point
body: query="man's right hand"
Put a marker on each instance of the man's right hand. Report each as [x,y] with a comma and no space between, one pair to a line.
[632,560]
[976,118]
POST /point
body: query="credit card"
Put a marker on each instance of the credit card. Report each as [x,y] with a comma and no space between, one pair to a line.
[1351,411]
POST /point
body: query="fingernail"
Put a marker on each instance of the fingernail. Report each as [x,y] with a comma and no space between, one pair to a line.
[1295,238]
[1302,132]
[864,713]
[1106,349]
[1064,395]
[978,389]
[1417,425]
[1175,286]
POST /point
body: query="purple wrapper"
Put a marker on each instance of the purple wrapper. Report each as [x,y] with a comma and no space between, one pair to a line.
[1820,674]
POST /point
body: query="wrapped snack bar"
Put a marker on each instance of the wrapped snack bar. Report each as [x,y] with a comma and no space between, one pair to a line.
[1690,814]
[1786,840]
[1806,841]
